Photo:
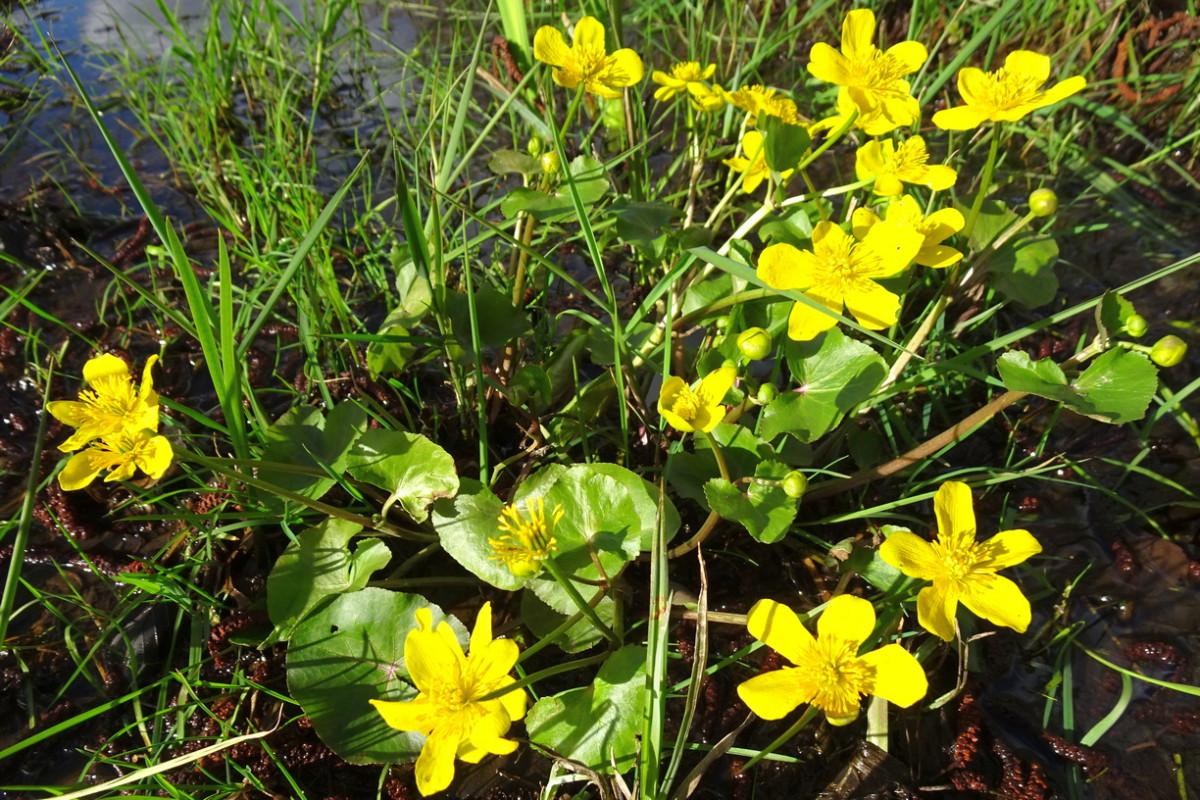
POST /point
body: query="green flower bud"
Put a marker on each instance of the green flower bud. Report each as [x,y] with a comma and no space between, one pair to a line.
[794,484]
[551,163]
[534,146]
[1043,202]
[755,343]
[1168,351]
[766,393]
[1135,326]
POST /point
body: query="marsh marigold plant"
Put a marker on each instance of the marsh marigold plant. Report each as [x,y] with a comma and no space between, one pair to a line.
[892,165]
[1007,94]
[687,409]
[935,229]
[871,80]
[587,61]
[448,708]
[962,569]
[110,404]
[828,671]
[840,272]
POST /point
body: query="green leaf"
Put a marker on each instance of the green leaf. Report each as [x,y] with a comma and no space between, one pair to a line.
[866,561]
[316,566]
[541,619]
[834,373]
[352,652]
[1117,387]
[304,437]
[765,511]
[794,229]
[1113,313]
[1023,270]
[643,224]
[596,725]
[688,472]
[783,144]
[412,469]
[590,181]
[390,357]
[416,296]
[499,321]
[464,524]
[994,218]
[503,162]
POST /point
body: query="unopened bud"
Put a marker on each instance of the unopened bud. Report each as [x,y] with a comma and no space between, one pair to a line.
[534,147]
[755,343]
[766,393]
[794,484]
[1168,351]
[1043,202]
[1135,326]
[551,163]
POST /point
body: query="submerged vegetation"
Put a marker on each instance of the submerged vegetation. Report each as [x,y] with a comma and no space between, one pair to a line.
[642,337]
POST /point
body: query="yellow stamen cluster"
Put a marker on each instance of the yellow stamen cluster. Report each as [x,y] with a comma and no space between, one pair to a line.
[527,539]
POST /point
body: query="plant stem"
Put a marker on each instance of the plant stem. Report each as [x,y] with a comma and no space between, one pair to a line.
[584,607]
[808,714]
[984,181]
[541,675]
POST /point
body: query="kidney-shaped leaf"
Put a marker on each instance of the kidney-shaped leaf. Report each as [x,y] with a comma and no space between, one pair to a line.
[414,470]
[352,652]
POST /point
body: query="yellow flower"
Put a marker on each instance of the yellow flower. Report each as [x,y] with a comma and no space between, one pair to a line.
[686,77]
[447,708]
[839,272]
[526,543]
[756,100]
[586,60]
[110,405]
[1007,94]
[753,165]
[700,409]
[828,673]
[893,166]
[871,79]
[936,228]
[961,568]
[123,452]
[705,98]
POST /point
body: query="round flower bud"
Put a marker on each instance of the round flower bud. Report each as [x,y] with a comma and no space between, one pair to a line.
[755,343]
[794,484]
[1043,202]
[1136,326]
[534,146]
[551,163]
[766,393]
[1168,351]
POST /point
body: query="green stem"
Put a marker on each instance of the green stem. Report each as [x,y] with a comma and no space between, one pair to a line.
[787,735]
[718,454]
[557,669]
[984,183]
[829,140]
[584,607]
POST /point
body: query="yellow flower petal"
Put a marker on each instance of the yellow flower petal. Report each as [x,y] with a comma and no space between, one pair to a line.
[896,675]
[1028,63]
[938,256]
[910,554]
[412,715]
[827,64]
[972,85]
[589,34]
[861,222]
[782,266]
[909,55]
[1063,90]
[155,457]
[1006,549]
[775,694]
[849,618]
[514,701]
[858,34]
[998,600]
[79,471]
[888,186]
[873,306]
[624,68]
[435,764]
[778,627]
[806,323]
[944,224]
[959,118]
[939,177]
[481,634]
[897,245]
[716,385]
[955,512]
[549,47]
[935,609]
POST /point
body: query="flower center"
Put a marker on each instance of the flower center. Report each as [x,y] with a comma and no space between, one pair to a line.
[686,405]
[1011,89]
[910,157]
[845,263]
[591,60]
[111,400]
[959,560]
[525,543]
[878,72]
[840,676]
